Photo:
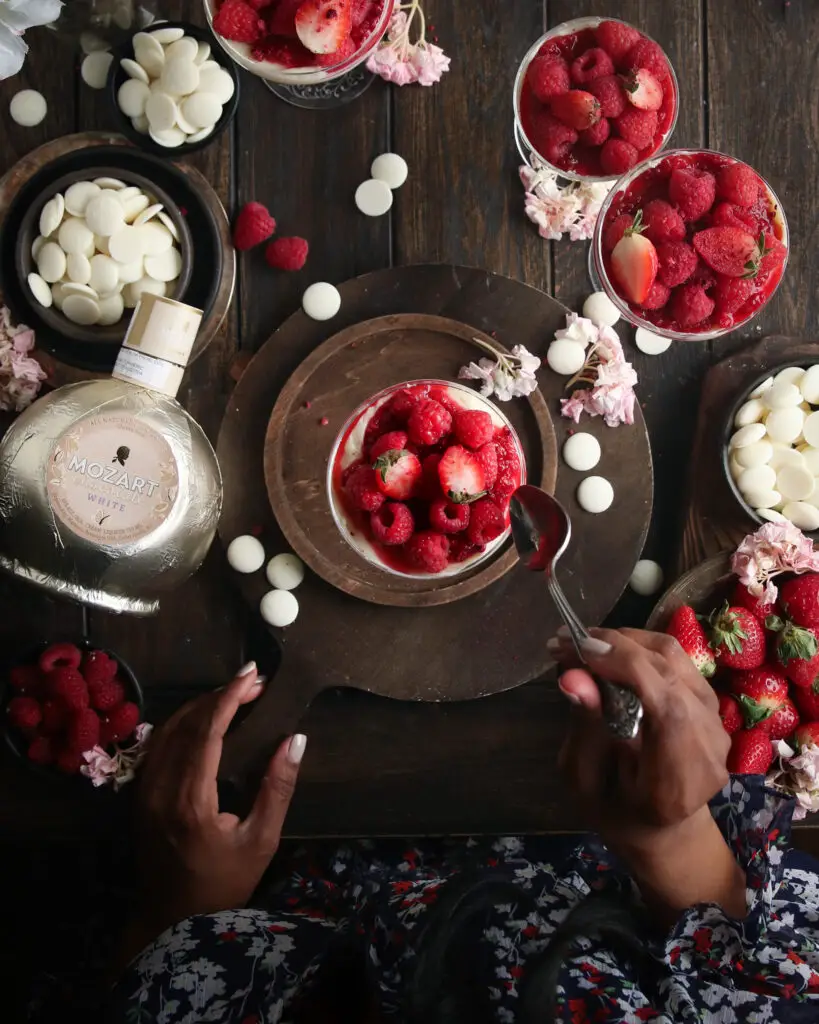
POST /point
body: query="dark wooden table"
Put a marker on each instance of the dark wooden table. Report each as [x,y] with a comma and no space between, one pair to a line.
[374,766]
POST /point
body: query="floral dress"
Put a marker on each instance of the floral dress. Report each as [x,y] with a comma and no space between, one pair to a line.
[252,966]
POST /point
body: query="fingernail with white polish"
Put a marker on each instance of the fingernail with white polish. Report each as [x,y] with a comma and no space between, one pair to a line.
[296,748]
[258,684]
[245,670]
[563,631]
[591,645]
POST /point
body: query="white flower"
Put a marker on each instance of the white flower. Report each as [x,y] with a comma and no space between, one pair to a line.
[15,17]
[558,210]
[608,378]
[578,329]
[509,376]
[797,774]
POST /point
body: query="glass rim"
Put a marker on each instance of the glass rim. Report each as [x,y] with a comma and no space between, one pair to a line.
[564,28]
[599,264]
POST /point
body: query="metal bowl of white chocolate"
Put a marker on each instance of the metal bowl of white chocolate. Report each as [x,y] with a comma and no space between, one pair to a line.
[92,242]
[771,446]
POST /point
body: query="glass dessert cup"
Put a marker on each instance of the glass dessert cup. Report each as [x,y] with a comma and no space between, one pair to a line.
[347,449]
[529,151]
[312,87]
[645,182]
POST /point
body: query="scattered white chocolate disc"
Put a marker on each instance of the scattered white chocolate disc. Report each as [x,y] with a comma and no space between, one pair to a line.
[751,411]
[215,80]
[51,215]
[28,108]
[166,266]
[40,290]
[134,206]
[165,36]
[245,553]
[602,312]
[649,343]
[111,309]
[747,435]
[782,395]
[81,309]
[132,97]
[373,197]
[565,357]
[794,483]
[105,274]
[646,578]
[104,215]
[78,196]
[790,375]
[184,126]
[78,268]
[770,515]
[75,236]
[280,607]
[784,424]
[595,494]
[321,301]
[95,67]
[754,454]
[202,109]
[285,572]
[51,262]
[811,457]
[581,452]
[391,169]
[802,514]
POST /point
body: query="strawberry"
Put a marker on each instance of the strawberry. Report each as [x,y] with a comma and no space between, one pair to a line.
[742,596]
[323,25]
[634,262]
[687,631]
[253,226]
[730,713]
[731,293]
[799,598]
[487,456]
[751,752]
[783,721]
[761,693]
[577,109]
[729,251]
[396,473]
[807,700]
[737,638]
[807,734]
[461,476]
[393,439]
[643,90]
[797,651]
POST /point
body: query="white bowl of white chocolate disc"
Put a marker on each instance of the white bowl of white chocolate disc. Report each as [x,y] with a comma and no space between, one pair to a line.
[93,243]
[771,450]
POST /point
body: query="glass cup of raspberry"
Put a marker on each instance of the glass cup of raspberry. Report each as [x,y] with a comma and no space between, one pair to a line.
[414,529]
[293,72]
[691,244]
[594,97]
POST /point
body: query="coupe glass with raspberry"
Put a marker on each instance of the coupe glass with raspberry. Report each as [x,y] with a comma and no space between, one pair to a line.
[420,477]
[308,52]
[691,245]
[593,98]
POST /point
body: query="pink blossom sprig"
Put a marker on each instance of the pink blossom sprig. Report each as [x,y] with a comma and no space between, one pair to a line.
[570,209]
[507,375]
[120,767]
[21,376]
[606,380]
[795,772]
[774,548]
[402,62]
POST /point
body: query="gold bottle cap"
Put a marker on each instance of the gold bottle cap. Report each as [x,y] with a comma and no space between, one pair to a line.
[163,328]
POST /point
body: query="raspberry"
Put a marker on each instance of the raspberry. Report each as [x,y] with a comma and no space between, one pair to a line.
[591,65]
[107,695]
[703,275]
[657,296]
[611,95]
[98,667]
[614,231]
[616,38]
[447,517]
[429,421]
[68,686]
[239,22]
[508,469]
[288,52]
[254,224]
[428,551]
[395,440]
[461,548]
[403,402]
[690,305]
[281,19]
[429,487]
[548,77]
[83,730]
[343,52]
[692,191]
[637,127]
[119,724]
[25,678]
[54,715]
[738,184]
[730,293]
[40,750]
[597,134]
[617,156]
[662,223]
[473,427]
[487,456]
[392,523]
[287,253]
[447,401]
[70,761]
[552,138]
[677,260]
[60,656]
[485,522]
[647,54]
[24,713]
[730,216]
[362,489]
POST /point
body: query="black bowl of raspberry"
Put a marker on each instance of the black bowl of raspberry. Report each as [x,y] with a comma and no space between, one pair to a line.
[63,698]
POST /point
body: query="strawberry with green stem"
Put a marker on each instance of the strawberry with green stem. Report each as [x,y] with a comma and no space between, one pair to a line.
[634,262]
[686,629]
[737,638]
[397,473]
[797,651]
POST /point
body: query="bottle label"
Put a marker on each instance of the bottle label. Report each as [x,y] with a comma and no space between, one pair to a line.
[148,372]
[112,479]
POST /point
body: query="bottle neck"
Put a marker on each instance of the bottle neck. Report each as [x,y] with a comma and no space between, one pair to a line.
[158,344]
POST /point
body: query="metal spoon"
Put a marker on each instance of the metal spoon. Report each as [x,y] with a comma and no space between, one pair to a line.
[542,530]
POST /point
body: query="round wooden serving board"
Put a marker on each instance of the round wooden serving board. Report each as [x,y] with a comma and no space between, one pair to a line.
[485,643]
[334,380]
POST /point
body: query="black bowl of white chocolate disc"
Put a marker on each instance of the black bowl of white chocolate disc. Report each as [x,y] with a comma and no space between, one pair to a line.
[771,446]
[173,93]
[91,243]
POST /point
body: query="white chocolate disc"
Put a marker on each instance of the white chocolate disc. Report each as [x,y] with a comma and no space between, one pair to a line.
[140,124]
[202,109]
[790,375]
[770,515]
[784,455]
[78,196]
[599,308]
[126,245]
[280,608]
[147,214]
[751,412]
[763,499]
[811,457]
[58,294]
[782,395]
[756,479]
[180,76]
[321,301]
[36,246]
[81,309]
[91,43]
[78,268]
[132,293]
[581,452]
[595,494]
[131,272]
[160,109]
[734,467]
[183,125]
[132,97]
[113,184]
[565,357]
[149,53]
[810,429]
[28,108]
[649,343]
[155,237]
[760,389]
[94,68]
[202,134]
[134,71]
[794,483]
[111,309]
[134,206]
[166,36]
[809,385]
[755,454]
[802,514]
[245,554]
[51,215]
[215,80]
[72,288]
[166,266]
[104,274]
[169,224]
[646,577]
[170,138]
[51,262]
[373,197]
[40,290]
[75,235]
[104,215]
[202,52]
[285,571]
[183,49]
[747,435]
[391,169]
[784,424]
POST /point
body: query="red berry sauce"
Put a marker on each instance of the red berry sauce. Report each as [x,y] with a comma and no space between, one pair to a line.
[510,476]
[582,156]
[761,218]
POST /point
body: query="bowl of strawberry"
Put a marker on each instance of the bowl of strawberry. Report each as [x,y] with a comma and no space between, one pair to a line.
[691,245]
[64,699]
[593,98]
[420,477]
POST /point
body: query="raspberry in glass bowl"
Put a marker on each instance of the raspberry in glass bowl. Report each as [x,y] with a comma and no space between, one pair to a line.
[593,98]
[270,43]
[420,477]
[691,245]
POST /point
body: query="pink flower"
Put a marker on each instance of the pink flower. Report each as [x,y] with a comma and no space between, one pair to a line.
[402,73]
[560,209]
[774,548]
[608,378]
[20,375]
[402,62]
[430,62]
[796,773]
